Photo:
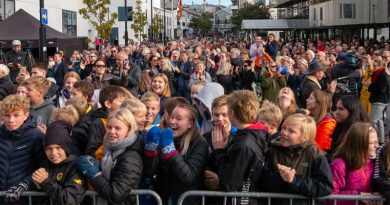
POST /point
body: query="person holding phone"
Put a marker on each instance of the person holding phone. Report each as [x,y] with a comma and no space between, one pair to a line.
[129,69]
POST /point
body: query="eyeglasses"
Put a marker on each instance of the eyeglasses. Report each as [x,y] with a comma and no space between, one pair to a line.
[100,66]
[385,56]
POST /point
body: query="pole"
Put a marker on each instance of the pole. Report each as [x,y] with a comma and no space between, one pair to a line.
[173,22]
[151,20]
[42,36]
[126,32]
[165,25]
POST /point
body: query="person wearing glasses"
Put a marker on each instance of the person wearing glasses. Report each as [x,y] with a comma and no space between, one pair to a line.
[86,68]
[100,78]
[110,62]
[153,65]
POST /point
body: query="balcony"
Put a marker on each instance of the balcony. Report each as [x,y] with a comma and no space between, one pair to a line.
[285,3]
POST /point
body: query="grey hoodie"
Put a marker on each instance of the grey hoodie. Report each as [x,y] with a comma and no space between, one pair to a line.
[44,111]
[206,96]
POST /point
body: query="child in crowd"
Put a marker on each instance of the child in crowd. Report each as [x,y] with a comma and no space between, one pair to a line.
[295,165]
[42,71]
[195,88]
[84,89]
[271,116]
[160,86]
[181,159]
[121,165]
[236,158]
[152,103]
[111,98]
[21,90]
[37,88]
[170,104]
[139,111]
[353,164]
[69,80]
[59,178]
[21,148]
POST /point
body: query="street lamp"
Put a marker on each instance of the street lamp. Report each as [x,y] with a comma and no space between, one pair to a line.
[42,35]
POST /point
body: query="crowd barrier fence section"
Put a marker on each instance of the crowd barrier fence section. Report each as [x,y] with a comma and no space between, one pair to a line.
[92,194]
[331,199]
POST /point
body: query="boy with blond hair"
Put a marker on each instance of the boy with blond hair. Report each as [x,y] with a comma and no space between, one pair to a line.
[271,116]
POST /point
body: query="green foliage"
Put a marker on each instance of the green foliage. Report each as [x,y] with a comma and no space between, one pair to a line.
[139,22]
[250,11]
[96,12]
[157,24]
[202,23]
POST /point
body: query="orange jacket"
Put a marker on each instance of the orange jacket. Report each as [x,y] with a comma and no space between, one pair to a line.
[324,131]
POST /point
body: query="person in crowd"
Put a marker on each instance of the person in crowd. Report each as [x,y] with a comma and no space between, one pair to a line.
[199,75]
[353,164]
[272,46]
[42,71]
[18,130]
[381,178]
[295,80]
[310,57]
[271,116]
[367,69]
[284,172]
[247,75]
[160,86]
[183,71]
[111,98]
[319,104]
[139,110]
[22,75]
[286,101]
[272,82]
[256,48]
[100,78]
[170,104]
[121,167]
[167,68]
[111,60]
[179,150]
[70,79]
[195,88]
[7,87]
[41,108]
[311,82]
[21,90]
[348,111]
[129,69]
[16,58]
[86,66]
[153,66]
[59,177]
[84,90]
[152,103]
[59,70]
[224,74]
[237,158]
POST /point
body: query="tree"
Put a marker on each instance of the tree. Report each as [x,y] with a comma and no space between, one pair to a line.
[139,22]
[250,11]
[157,24]
[202,23]
[96,13]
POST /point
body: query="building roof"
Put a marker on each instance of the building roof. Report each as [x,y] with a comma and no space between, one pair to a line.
[275,24]
[285,3]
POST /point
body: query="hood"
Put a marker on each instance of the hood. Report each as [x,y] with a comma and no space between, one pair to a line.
[208,93]
[46,103]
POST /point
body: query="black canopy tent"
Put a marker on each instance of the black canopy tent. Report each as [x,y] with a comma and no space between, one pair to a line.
[24,27]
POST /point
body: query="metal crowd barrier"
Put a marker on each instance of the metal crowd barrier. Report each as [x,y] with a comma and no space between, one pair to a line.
[93,194]
[269,196]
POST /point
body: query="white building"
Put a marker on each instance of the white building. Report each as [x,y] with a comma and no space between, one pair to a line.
[63,16]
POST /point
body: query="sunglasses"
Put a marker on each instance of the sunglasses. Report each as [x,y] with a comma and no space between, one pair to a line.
[100,66]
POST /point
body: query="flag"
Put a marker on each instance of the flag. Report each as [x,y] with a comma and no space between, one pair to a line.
[180,10]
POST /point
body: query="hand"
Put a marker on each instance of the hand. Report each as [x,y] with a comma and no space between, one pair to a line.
[82,65]
[88,166]
[42,128]
[152,139]
[219,138]
[13,193]
[39,176]
[287,173]
[211,180]
[176,69]
[166,142]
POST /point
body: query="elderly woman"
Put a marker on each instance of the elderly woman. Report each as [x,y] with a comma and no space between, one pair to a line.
[200,75]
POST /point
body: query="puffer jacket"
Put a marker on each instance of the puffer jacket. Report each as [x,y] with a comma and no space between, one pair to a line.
[125,176]
[7,87]
[97,130]
[179,173]
[65,185]
[21,152]
[325,129]
[313,176]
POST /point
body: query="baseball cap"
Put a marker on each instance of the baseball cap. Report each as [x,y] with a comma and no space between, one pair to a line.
[16,43]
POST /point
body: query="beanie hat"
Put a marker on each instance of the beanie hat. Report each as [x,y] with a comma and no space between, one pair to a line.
[58,133]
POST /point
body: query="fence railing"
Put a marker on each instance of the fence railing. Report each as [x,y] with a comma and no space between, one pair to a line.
[92,194]
[270,196]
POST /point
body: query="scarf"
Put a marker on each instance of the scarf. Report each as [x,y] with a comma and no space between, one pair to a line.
[112,150]
[66,93]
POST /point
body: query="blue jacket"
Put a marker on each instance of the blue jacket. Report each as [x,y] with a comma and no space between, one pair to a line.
[21,152]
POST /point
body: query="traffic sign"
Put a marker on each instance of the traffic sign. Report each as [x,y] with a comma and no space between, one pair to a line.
[44,16]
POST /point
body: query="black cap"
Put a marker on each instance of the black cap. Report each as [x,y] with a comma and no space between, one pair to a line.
[58,132]
[314,67]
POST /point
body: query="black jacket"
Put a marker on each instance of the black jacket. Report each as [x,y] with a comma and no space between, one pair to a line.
[65,185]
[21,58]
[84,73]
[125,176]
[7,87]
[236,162]
[317,180]
[21,152]
[306,88]
[59,71]
[381,179]
[247,77]
[80,135]
[380,89]
[96,132]
[179,173]
[133,78]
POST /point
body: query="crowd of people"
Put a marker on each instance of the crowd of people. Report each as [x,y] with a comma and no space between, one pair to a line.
[299,117]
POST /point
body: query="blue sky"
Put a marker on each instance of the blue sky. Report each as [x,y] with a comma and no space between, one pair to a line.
[223,2]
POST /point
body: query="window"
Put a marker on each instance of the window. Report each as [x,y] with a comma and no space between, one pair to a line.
[388,8]
[349,11]
[321,14]
[314,14]
[7,8]
[69,23]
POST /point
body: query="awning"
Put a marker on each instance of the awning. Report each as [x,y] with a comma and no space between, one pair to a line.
[275,24]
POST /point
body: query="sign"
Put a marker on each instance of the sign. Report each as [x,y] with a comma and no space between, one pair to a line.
[44,16]
[122,14]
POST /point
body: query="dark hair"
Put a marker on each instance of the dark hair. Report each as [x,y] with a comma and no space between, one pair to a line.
[86,88]
[111,92]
